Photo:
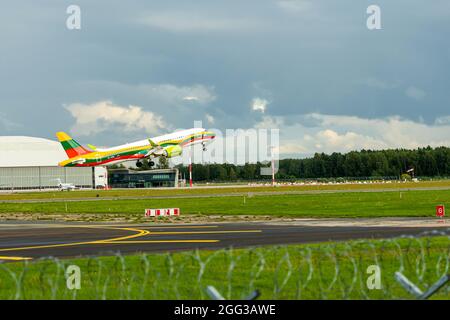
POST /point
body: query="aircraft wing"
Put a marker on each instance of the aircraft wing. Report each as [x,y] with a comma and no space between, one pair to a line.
[94,148]
[154,144]
[156,149]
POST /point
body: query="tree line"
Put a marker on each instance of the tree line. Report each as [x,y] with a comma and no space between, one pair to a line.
[429,162]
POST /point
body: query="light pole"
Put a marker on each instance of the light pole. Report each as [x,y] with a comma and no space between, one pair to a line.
[190,167]
[272,165]
[270,171]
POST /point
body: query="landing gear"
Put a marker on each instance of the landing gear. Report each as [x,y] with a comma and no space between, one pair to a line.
[139,164]
[204,146]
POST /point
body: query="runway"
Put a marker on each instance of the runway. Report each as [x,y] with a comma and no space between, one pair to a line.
[31,240]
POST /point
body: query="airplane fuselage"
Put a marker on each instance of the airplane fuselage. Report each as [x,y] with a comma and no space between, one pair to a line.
[168,145]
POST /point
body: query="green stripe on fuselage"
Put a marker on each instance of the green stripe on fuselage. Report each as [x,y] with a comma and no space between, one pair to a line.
[112,156]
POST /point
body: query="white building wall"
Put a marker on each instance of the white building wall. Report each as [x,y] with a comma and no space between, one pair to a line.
[44,177]
[100,176]
[30,152]
[32,163]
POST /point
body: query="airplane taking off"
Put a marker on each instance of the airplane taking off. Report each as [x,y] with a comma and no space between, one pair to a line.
[168,145]
[65,186]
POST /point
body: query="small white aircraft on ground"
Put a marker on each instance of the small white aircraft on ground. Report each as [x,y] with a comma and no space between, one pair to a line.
[65,186]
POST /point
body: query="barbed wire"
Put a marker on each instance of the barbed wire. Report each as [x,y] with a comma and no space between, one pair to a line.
[335,270]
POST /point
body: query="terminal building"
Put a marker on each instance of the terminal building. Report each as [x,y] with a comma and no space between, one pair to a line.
[125,178]
[32,163]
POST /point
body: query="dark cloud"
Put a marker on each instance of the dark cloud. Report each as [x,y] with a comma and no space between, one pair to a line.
[301,56]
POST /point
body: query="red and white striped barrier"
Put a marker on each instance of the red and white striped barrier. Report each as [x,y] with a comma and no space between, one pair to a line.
[162,212]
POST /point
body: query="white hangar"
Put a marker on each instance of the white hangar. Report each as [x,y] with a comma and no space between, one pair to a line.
[32,163]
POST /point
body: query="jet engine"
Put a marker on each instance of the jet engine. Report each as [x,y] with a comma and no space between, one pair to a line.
[172,151]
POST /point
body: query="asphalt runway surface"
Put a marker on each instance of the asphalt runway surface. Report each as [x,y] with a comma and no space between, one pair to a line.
[31,240]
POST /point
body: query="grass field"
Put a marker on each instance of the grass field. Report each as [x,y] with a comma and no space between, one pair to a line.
[217,190]
[345,204]
[320,271]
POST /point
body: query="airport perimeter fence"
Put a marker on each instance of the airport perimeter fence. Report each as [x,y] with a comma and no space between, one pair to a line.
[397,268]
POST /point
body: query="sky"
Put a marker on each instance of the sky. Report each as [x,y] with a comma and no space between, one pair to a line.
[310,68]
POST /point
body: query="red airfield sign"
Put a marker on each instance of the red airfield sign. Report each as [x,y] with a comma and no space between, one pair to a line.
[440,211]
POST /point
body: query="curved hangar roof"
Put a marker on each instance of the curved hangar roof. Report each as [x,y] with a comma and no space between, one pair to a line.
[30,152]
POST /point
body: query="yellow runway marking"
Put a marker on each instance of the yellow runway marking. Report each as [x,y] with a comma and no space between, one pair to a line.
[138,234]
[164,241]
[47,246]
[14,258]
[178,227]
[202,232]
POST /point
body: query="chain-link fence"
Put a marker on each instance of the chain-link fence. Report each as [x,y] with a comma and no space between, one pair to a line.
[364,269]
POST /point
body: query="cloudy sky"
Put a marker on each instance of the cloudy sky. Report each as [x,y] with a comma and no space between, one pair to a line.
[308,67]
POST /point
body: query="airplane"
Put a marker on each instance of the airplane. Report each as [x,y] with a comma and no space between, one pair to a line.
[168,145]
[65,186]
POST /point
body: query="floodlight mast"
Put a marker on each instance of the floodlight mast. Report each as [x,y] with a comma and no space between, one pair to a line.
[190,167]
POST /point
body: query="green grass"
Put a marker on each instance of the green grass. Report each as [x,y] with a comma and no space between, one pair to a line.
[355,204]
[315,271]
[214,191]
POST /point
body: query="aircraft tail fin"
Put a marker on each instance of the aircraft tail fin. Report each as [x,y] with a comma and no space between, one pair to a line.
[71,147]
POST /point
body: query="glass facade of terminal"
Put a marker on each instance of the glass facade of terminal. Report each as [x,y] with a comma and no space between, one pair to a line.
[122,178]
